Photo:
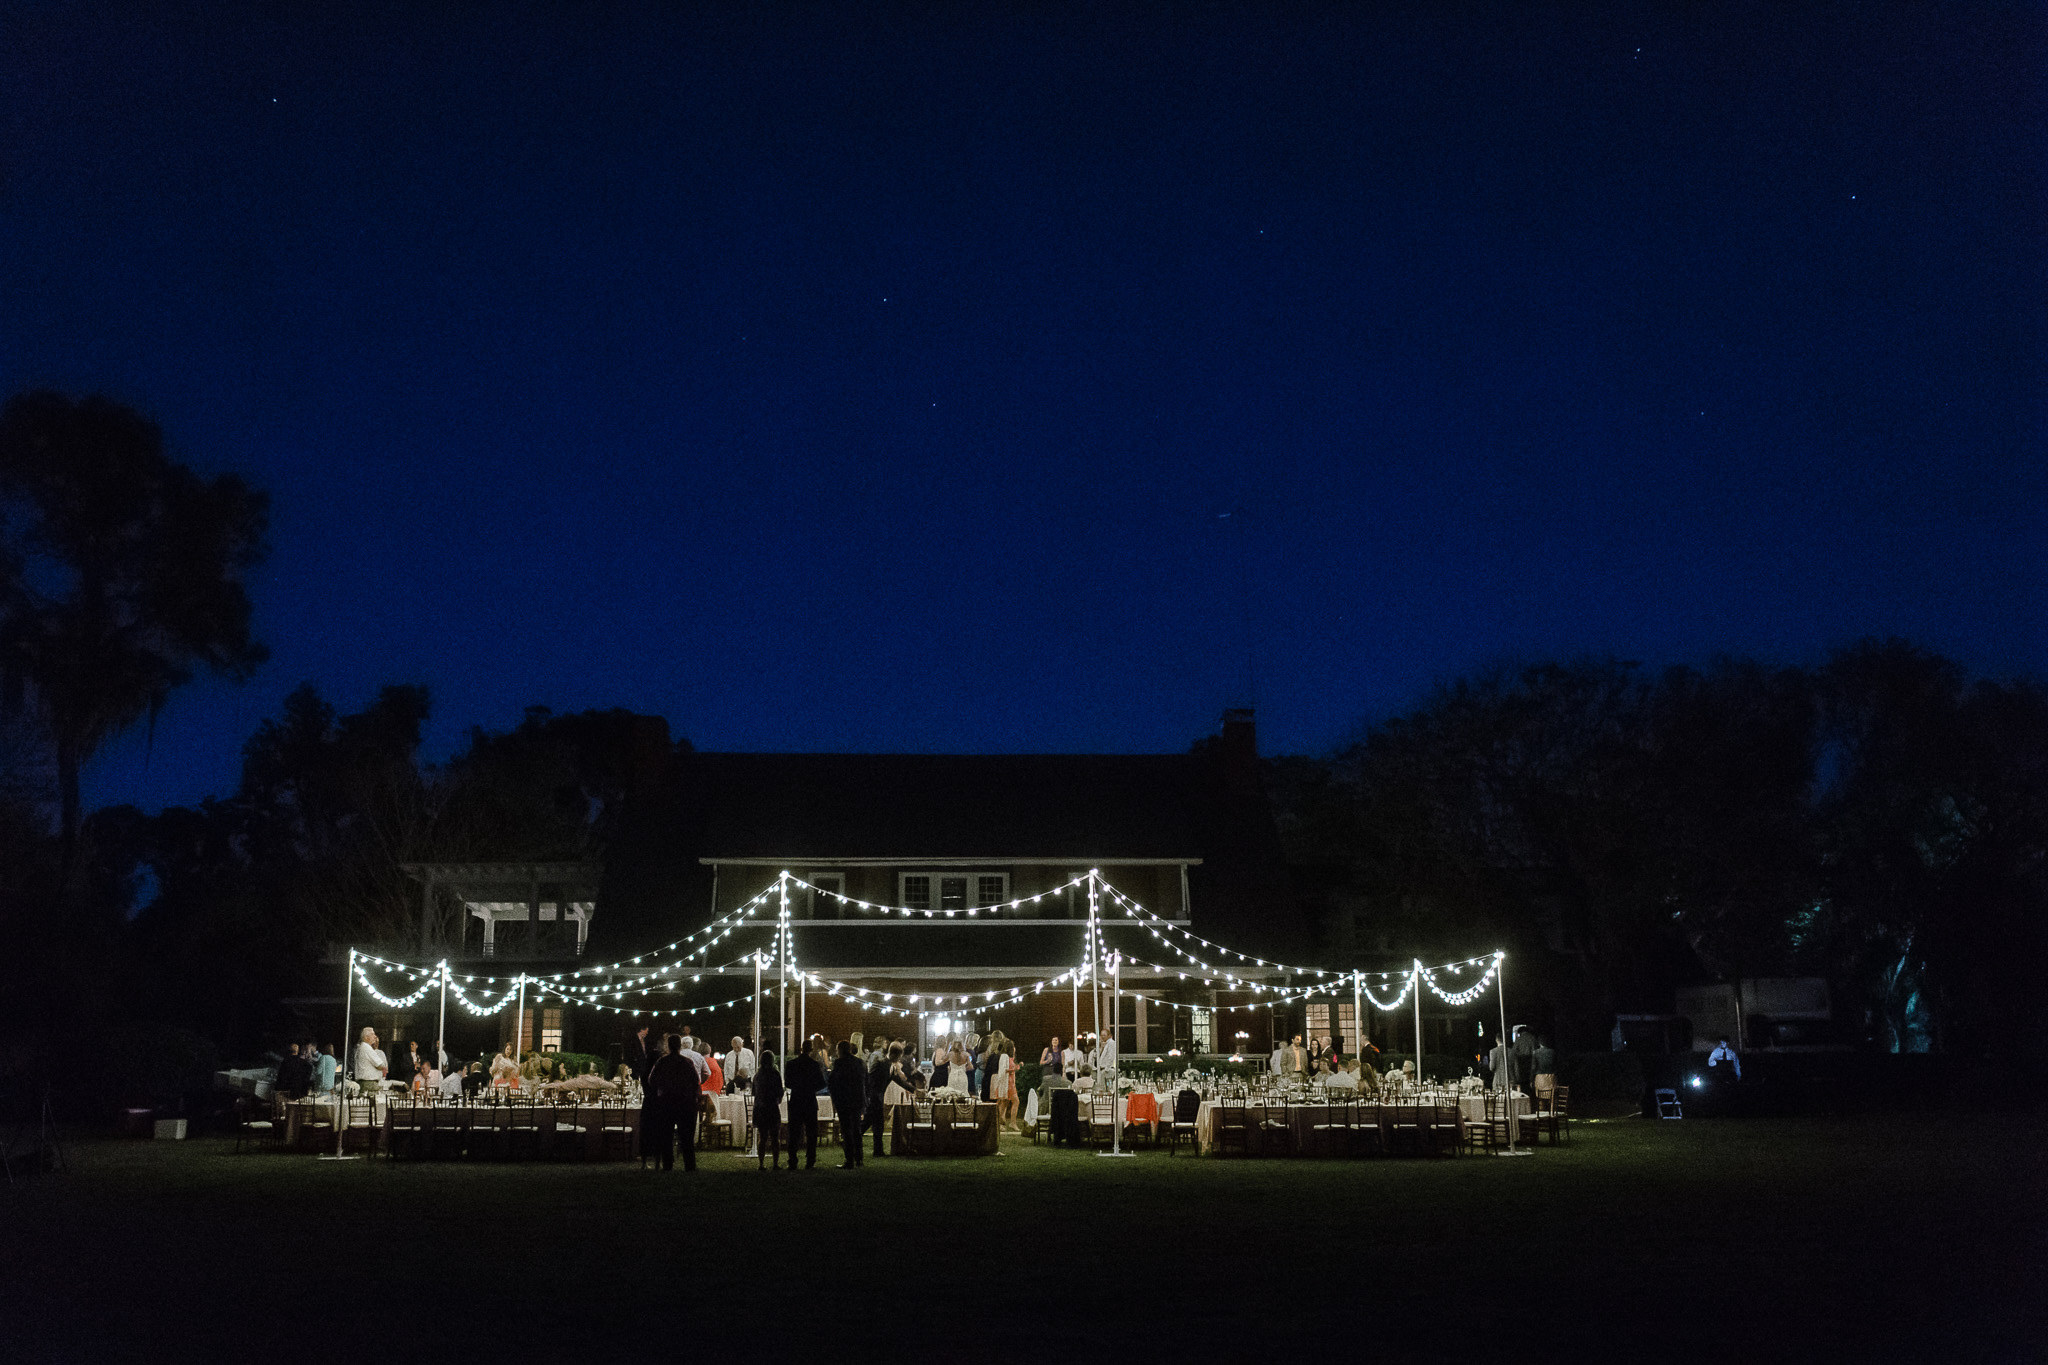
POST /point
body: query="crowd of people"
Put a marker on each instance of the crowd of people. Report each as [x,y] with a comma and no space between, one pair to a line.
[679,1074]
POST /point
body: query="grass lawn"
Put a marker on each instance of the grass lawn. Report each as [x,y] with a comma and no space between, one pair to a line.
[1732,1239]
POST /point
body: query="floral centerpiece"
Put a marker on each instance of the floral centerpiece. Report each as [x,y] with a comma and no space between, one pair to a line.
[949,1094]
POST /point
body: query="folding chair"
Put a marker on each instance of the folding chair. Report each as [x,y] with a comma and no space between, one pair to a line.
[1181,1124]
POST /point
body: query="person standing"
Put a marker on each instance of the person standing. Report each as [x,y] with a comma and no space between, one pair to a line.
[325,1074]
[1500,1065]
[638,1059]
[1724,1053]
[1545,1064]
[669,1109]
[408,1065]
[739,1065]
[804,1079]
[848,1084]
[1525,1055]
[294,1075]
[881,1076]
[1053,1060]
[768,1116]
[371,1067]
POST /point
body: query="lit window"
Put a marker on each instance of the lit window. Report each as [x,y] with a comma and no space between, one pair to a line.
[550,1030]
[952,893]
[1204,1036]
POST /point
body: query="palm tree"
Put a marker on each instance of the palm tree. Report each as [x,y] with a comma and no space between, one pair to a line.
[120,575]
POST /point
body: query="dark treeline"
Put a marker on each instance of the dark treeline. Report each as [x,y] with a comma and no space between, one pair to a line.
[1880,821]
[209,919]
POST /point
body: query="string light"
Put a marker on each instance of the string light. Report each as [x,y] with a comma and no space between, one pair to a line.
[666,977]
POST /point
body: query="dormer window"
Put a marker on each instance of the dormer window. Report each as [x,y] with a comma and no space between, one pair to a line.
[952,893]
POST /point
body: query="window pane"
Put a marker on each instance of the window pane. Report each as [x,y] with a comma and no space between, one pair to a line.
[917,892]
[825,905]
[989,890]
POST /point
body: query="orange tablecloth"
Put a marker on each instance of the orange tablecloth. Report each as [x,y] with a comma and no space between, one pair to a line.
[1142,1108]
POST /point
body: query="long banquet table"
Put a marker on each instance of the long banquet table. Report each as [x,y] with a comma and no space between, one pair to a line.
[1303,1117]
[393,1116]
[984,1141]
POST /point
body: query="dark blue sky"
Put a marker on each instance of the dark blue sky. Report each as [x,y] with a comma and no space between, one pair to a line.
[872,377]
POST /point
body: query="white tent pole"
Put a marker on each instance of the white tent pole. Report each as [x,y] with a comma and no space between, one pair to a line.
[1116,1020]
[441,1029]
[1358,1021]
[1094,955]
[519,1026]
[1507,1053]
[782,970]
[348,1054]
[757,1002]
[1415,984]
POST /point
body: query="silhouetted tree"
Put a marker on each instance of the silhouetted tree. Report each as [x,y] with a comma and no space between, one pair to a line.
[122,574]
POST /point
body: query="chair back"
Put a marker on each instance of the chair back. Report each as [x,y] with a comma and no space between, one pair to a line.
[1186,1106]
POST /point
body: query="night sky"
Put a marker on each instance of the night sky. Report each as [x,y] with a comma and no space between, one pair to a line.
[875,376]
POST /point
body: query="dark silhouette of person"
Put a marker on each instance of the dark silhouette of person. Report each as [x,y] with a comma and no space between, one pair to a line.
[879,1076]
[849,1087]
[805,1077]
[768,1115]
[637,1057]
[668,1114]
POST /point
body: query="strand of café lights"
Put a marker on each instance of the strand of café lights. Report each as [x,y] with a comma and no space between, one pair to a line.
[1471,992]
[726,922]
[663,977]
[1149,920]
[1335,989]
[399,1002]
[546,988]
[1405,978]
[623,989]
[909,911]
[858,996]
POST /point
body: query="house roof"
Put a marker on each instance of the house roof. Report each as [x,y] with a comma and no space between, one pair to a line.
[970,806]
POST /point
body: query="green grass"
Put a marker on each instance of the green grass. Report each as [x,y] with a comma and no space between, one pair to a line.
[1774,1239]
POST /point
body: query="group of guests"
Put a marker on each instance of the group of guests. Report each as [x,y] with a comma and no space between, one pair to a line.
[1321,1062]
[1525,1061]
[310,1071]
[679,1074]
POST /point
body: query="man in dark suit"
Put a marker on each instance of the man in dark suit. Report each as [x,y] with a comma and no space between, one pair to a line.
[879,1075]
[294,1076]
[637,1058]
[849,1087]
[670,1105]
[804,1077]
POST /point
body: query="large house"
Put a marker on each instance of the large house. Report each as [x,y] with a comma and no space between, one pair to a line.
[914,875]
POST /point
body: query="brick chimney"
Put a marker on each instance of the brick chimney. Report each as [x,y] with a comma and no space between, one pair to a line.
[1239,748]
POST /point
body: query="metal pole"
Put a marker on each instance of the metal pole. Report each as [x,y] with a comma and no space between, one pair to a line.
[1507,1061]
[1358,1021]
[519,1026]
[1415,984]
[1116,1133]
[347,1059]
[1094,954]
[757,1003]
[441,1029]
[782,970]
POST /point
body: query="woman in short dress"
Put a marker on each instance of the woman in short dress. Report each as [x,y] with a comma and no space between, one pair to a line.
[1000,1092]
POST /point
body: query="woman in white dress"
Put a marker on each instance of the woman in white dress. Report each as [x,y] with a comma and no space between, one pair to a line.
[1000,1091]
